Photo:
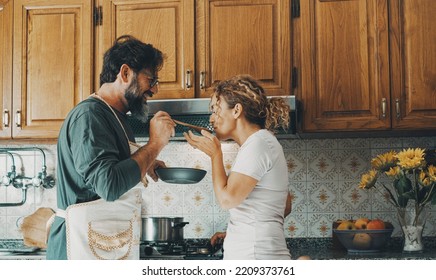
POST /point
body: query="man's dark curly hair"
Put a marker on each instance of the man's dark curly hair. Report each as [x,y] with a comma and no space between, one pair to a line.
[131,51]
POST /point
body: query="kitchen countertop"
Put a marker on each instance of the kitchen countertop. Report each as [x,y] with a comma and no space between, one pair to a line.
[316,248]
[329,249]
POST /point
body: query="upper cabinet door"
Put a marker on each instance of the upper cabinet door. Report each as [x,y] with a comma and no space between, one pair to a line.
[5,68]
[344,65]
[413,62]
[243,37]
[166,24]
[52,54]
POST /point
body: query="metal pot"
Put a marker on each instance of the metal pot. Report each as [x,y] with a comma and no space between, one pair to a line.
[162,229]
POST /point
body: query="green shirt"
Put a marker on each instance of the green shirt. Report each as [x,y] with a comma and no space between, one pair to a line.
[93,162]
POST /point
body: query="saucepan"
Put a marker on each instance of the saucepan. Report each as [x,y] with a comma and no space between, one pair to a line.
[180,175]
[162,229]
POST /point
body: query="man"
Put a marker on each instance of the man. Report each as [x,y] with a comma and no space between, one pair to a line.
[94,160]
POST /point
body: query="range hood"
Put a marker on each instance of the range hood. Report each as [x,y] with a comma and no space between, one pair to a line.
[196,111]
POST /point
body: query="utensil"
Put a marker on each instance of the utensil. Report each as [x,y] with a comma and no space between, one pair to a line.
[180,175]
[35,227]
[162,229]
[213,249]
[194,127]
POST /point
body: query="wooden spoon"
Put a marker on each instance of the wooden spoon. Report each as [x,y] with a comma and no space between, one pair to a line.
[194,127]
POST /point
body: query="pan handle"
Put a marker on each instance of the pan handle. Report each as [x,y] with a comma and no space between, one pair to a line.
[180,225]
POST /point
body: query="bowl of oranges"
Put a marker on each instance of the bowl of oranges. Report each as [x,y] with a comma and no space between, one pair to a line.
[362,235]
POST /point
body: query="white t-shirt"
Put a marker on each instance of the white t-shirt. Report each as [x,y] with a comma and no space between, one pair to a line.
[255,229]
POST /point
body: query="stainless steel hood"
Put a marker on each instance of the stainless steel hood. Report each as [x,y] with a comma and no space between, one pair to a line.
[196,111]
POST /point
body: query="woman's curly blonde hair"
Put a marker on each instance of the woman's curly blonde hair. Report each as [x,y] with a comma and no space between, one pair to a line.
[269,113]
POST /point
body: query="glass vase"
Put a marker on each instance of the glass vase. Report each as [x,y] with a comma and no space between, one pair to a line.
[412,221]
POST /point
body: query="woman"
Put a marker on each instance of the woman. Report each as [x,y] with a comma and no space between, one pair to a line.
[256,190]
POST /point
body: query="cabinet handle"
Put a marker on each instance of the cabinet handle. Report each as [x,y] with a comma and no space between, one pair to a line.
[383,108]
[202,79]
[18,118]
[188,79]
[6,118]
[397,108]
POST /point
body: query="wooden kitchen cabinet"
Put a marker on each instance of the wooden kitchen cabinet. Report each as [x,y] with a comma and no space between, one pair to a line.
[243,37]
[205,41]
[168,25]
[366,65]
[52,65]
[344,65]
[5,67]
[413,64]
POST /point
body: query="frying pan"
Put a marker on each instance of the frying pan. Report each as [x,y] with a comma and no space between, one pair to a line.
[180,175]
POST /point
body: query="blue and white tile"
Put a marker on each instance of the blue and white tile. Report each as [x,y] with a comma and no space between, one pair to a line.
[386,143]
[3,200]
[167,200]
[322,197]
[353,163]
[198,199]
[200,226]
[351,198]
[354,143]
[13,231]
[3,227]
[147,201]
[298,193]
[297,165]
[418,142]
[15,196]
[295,225]
[321,144]
[220,222]
[293,144]
[320,224]
[322,165]
[46,198]
[380,200]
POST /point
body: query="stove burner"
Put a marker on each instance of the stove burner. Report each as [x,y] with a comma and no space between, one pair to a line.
[186,249]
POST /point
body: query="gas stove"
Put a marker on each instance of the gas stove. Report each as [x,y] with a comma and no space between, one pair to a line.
[188,249]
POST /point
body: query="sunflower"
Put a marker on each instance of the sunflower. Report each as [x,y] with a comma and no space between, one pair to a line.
[431,172]
[411,158]
[424,180]
[384,161]
[394,172]
[368,179]
[413,175]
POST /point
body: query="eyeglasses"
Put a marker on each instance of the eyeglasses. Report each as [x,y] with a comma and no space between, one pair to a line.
[153,81]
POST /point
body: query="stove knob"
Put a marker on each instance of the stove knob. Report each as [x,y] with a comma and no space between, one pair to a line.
[148,250]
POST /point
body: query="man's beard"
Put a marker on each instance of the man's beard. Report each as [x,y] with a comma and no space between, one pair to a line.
[137,106]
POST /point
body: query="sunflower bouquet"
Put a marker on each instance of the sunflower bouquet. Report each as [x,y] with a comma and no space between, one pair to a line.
[413,174]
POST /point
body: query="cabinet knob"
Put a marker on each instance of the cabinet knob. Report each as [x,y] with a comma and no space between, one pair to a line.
[202,79]
[18,118]
[188,79]
[383,108]
[397,108]
[6,117]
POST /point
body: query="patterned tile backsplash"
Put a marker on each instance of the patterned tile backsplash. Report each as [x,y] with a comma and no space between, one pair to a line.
[323,176]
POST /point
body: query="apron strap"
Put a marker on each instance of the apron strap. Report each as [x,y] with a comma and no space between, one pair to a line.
[115,114]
